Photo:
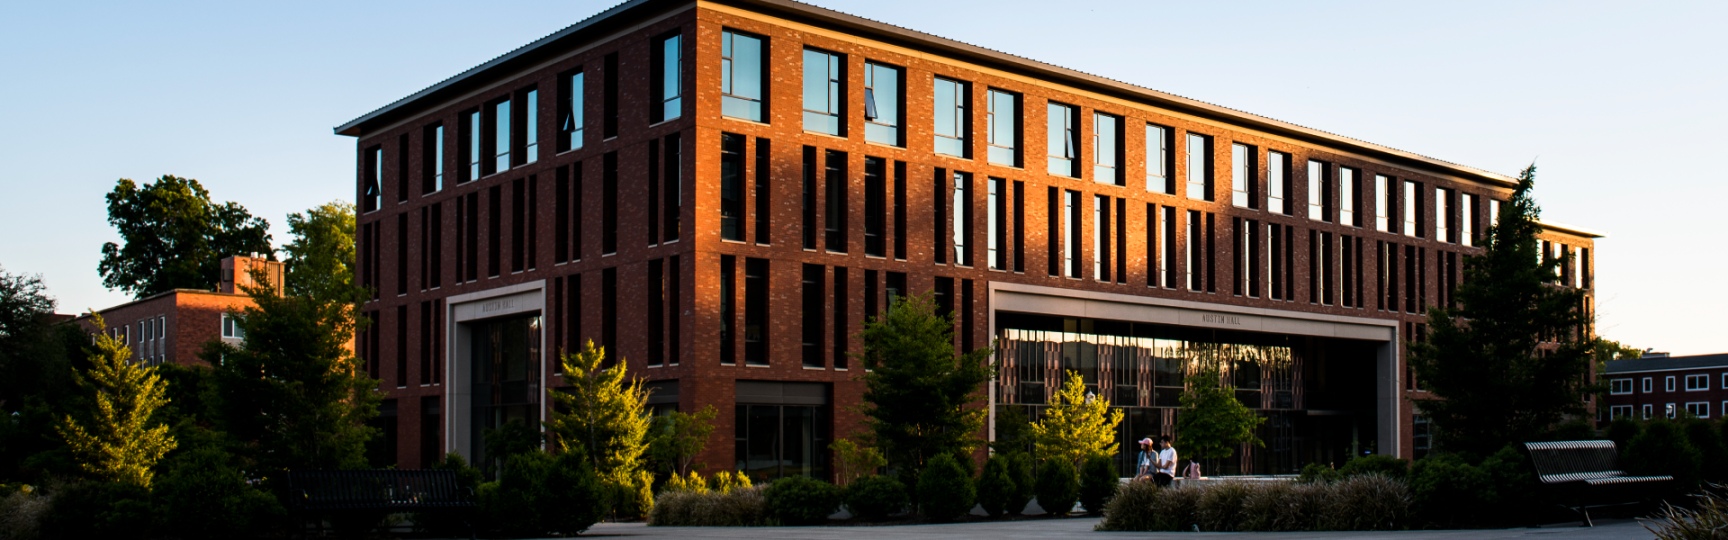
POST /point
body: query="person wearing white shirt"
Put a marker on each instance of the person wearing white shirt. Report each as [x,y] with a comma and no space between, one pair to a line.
[1166,463]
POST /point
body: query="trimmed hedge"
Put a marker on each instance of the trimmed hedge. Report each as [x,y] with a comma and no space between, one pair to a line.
[1020,470]
[801,500]
[995,486]
[945,490]
[1098,484]
[1366,502]
[1058,487]
[875,497]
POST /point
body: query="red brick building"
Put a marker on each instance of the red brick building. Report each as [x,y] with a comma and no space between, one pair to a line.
[1666,387]
[722,192]
[173,326]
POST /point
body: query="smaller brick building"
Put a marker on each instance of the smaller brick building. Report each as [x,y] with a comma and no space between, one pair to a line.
[1654,387]
[171,326]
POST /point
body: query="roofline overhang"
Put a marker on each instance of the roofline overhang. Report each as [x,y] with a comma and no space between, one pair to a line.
[947,47]
[1568,229]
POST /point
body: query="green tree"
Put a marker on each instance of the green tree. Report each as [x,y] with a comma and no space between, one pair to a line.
[1212,422]
[293,395]
[37,358]
[1077,425]
[119,441]
[603,415]
[320,258]
[1609,350]
[917,388]
[174,237]
[676,438]
[1513,357]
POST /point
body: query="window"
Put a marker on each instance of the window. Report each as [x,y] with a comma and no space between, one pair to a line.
[1019,226]
[501,135]
[950,116]
[1698,409]
[570,123]
[531,127]
[756,312]
[1158,160]
[995,207]
[1696,383]
[1167,242]
[962,228]
[1725,381]
[1617,412]
[1004,128]
[609,203]
[1646,411]
[1385,203]
[1071,226]
[1319,194]
[1063,147]
[1347,201]
[432,151]
[1624,386]
[1467,220]
[1668,383]
[741,76]
[1100,237]
[813,289]
[728,310]
[764,196]
[371,195]
[1199,167]
[875,205]
[882,97]
[609,97]
[834,201]
[1243,192]
[732,187]
[1412,209]
[841,327]
[824,91]
[1107,149]
[472,147]
[1646,387]
[1443,215]
[231,327]
[667,83]
[1278,182]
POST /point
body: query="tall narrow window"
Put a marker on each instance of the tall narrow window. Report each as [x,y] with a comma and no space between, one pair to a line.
[609,203]
[756,312]
[875,205]
[810,197]
[764,197]
[371,193]
[1071,222]
[1158,160]
[401,253]
[741,76]
[1443,215]
[1278,182]
[1004,128]
[732,187]
[1275,261]
[570,119]
[1412,208]
[1467,220]
[1243,173]
[656,317]
[672,192]
[609,98]
[1199,167]
[531,127]
[436,247]
[812,316]
[939,234]
[962,228]
[951,117]
[1019,226]
[900,210]
[1347,213]
[728,310]
[518,224]
[501,135]
[842,326]
[1196,254]
[1385,201]
[1061,139]
[668,79]
[609,311]
[432,151]
[882,97]
[472,137]
[1053,231]
[1101,237]
[824,91]
[834,209]
[654,183]
[998,233]
[1107,149]
[1319,194]
[494,230]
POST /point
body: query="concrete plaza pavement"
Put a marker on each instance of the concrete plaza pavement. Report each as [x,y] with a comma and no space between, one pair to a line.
[1081,528]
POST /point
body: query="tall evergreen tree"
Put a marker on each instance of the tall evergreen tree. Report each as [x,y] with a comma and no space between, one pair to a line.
[602,413]
[119,441]
[1513,357]
[1076,426]
[918,389]
[174,237]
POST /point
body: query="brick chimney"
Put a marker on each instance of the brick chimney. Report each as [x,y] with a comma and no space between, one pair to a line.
[237,273]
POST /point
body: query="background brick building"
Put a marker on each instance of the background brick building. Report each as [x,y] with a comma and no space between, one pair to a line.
[173,326]
[1666,387]
[722,192]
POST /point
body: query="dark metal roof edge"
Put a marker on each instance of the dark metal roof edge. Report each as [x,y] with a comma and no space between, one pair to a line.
[1568,229]
[1666,363]
[351,127]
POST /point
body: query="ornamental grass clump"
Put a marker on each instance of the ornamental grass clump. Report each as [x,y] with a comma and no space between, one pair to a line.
[1221,506]
[740,507]
[1369,502]
[1132,509]
[1708,517]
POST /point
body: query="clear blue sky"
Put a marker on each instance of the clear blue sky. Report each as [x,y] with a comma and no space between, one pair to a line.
[1622,105]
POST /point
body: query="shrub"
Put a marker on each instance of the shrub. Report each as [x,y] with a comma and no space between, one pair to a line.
[1388,466]
[1447,492]
[1220,506]
[1622,430]
[21,513]
[801,500]
[740,507]
[444,523]
[1514,496]
[632,495]
[1132,508]
[1098,484]
[1367,503]
[1177,509]
[1663,449]
[1058,486]
[726,481]
[995,485]
[1705,436]
[1316,472]
[678,483]
[1020,470]
[537,493]
[203,495]
[97,509]
[875,497]
[945,489]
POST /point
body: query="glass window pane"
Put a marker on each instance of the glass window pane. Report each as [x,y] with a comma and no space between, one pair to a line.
[950,118]
[1197,164]
[1104,151]
[1060,139]
[882,96]
[1157,155]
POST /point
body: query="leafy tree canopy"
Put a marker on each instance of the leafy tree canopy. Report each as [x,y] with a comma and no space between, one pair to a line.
[918,388]
[1513,357]
[118,440]
[602,413]
[174,237]
[1212,422]
[1076,426]
[678,437]
[320,258]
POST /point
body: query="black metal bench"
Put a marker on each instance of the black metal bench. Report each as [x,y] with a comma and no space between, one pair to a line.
[1586,474]
[376,493]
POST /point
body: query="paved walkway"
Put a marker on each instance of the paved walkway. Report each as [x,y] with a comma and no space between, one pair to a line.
[1081,528]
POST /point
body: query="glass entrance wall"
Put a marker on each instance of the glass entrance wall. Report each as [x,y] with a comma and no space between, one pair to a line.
[774,441]
[1143,369]
[505,368]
